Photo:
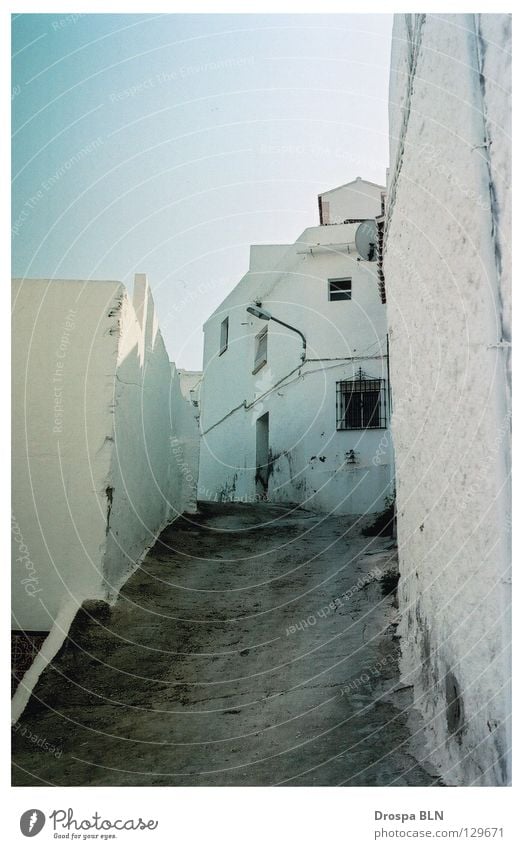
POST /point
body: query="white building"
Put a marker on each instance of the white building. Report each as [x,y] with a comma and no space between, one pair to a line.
[299,421]
[447,272]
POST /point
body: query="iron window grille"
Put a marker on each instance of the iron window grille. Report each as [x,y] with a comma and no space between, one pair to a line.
[340,289]
[224,335]
[361,403]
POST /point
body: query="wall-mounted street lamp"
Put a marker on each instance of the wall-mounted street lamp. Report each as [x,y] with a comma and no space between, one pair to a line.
[264,315]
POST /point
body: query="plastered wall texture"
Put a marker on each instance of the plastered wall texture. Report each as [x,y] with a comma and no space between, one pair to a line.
[185,435]
[97,412]
[447,269]
[311,462]
[357,199]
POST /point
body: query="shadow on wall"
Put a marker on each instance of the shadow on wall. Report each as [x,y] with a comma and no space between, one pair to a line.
[154,468]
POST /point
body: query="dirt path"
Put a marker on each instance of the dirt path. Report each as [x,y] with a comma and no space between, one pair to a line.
[255,646]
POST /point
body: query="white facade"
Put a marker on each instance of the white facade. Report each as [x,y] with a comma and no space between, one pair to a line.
[355,200]
[278,418]
[185,439]
[447,270]
[96,410]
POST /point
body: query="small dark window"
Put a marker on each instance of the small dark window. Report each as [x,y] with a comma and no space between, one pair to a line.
[224,335]
[340,290]
[361,404]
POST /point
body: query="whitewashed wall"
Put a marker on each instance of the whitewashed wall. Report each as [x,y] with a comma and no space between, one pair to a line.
[94,480]
[153,426]
[447,277]
[341,336]
[185,444]
[65,347]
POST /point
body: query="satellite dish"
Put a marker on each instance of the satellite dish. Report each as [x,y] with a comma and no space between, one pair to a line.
[366,240]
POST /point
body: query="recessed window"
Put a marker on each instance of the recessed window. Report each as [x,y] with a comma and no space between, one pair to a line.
[224,335]
[260,349]
[361,404]
[340,290]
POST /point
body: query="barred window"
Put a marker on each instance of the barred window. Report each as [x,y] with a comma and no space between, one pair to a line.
[361,404]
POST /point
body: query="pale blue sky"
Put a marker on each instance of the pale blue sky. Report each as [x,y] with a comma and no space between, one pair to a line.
[167,144]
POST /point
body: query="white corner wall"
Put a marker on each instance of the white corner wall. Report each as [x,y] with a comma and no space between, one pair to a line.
[447,277]
[96,408]
[358,199]
[63,361]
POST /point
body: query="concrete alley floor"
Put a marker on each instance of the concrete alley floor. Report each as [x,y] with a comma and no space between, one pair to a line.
[254,646]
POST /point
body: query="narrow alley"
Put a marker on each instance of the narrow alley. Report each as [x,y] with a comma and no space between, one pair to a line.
[265,640]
